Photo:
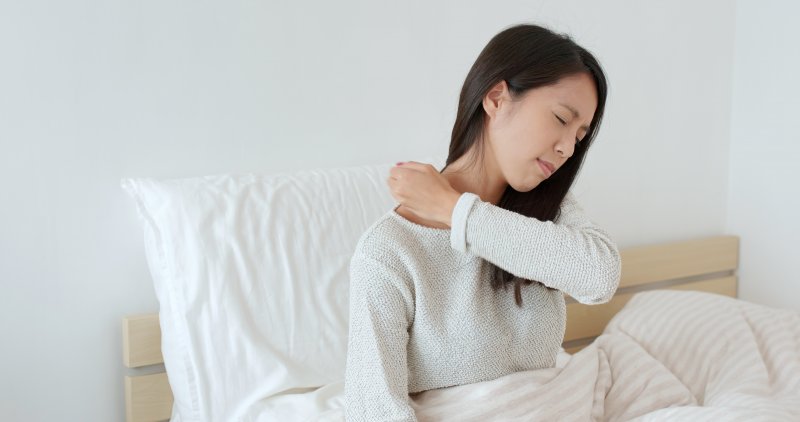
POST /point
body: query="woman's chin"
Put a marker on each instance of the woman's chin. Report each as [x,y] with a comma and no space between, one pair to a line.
[526,186]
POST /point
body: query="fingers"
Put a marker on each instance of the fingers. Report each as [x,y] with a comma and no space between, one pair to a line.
[410,172]
[397,172]
[414,165]
[394,181]
[394,189]
[394,172]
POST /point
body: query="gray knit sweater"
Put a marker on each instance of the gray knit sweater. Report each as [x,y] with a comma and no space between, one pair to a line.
[423,314]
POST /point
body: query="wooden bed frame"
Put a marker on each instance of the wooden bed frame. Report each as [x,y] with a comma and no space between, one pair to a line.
[707,264]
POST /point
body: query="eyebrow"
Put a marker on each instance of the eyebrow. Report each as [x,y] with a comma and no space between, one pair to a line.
[574,113]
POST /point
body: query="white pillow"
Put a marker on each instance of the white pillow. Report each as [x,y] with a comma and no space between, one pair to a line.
[251,276]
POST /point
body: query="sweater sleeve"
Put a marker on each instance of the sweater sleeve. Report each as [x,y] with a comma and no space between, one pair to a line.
[376,374]
[572,254]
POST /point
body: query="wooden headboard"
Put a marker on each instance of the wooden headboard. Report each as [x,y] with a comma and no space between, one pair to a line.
[707,264]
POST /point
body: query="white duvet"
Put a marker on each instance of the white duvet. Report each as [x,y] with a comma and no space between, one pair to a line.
[667,355]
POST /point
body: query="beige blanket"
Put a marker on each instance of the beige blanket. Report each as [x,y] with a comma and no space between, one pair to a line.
[666,356]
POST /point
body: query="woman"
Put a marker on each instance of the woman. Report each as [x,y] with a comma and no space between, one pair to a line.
[428,300]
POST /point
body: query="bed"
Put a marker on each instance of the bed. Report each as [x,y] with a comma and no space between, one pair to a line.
[614,363]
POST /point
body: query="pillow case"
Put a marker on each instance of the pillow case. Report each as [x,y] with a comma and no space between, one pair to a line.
[251,276]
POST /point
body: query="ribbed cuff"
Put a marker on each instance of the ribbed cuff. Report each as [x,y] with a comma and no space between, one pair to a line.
[458,221]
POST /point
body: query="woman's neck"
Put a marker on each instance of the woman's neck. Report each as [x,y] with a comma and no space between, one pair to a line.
[483,178]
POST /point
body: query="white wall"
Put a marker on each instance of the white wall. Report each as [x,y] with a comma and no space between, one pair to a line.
[92,91]
[764,179]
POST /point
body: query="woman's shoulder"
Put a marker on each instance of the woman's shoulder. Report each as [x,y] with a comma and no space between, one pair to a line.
[380,248]
[383,234]
[392,239]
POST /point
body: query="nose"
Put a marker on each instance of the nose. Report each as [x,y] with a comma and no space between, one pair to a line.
[565,147]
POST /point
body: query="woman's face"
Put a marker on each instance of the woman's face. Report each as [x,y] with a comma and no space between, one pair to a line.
[543,126]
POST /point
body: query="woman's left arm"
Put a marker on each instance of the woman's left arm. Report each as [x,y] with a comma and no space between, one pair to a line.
[572,254]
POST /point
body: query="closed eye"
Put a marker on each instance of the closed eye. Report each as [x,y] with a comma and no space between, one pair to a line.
[564,123]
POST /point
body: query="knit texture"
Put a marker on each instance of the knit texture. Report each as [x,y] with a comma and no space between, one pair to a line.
[423,314]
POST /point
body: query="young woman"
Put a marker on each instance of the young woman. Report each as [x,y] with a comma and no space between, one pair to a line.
[429,306]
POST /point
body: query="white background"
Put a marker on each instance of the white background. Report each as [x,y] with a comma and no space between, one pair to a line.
[700,138]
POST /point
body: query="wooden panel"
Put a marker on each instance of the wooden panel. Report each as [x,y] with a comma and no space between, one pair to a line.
[141,340]
[148,398]
[726,286]
[575,346]
[574,349]
[589,321]
[649,264]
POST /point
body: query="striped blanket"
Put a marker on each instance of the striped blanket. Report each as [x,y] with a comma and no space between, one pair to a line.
[667,355]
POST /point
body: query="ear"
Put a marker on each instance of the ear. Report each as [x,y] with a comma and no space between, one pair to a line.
[497,97]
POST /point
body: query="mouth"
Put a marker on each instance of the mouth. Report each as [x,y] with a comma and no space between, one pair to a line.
[546,167]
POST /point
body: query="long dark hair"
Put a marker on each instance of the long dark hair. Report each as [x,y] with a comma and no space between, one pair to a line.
[526,56]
